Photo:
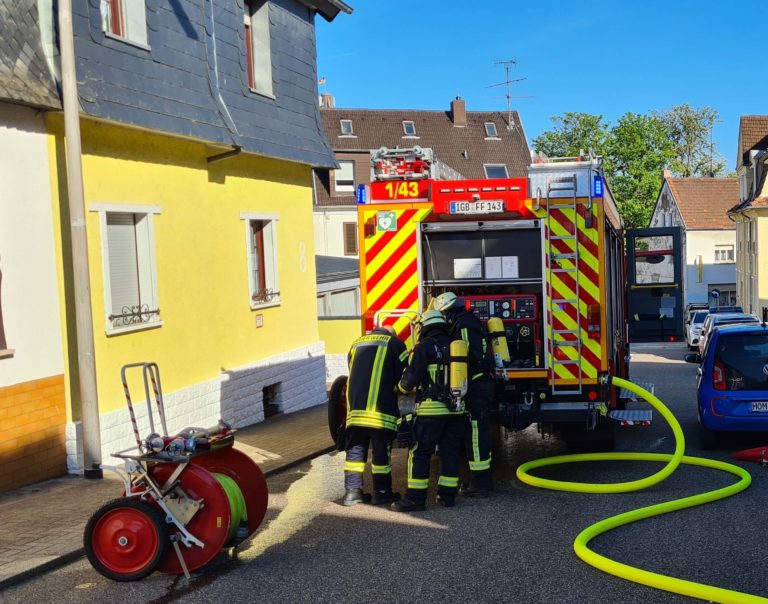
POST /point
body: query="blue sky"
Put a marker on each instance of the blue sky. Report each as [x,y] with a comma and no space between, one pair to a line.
[596,57]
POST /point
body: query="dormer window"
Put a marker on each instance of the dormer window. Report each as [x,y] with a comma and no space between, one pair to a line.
[346,127]
[490,130]
[409,128]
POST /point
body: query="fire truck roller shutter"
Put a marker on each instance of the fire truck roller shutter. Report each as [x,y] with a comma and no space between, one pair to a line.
[458,255]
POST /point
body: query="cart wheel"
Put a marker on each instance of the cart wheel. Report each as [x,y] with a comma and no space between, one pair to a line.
[126,539]
[337,409]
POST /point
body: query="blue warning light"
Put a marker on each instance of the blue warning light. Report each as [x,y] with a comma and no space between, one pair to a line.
[361,194]
[597,190]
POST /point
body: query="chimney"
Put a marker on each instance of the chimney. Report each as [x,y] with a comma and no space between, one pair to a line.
[327,101]
[667,174]
[459,112]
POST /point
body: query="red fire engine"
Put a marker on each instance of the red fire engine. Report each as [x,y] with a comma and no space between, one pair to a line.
[545,254]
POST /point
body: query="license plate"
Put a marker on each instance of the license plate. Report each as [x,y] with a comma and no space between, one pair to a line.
[477,207]
[758,406]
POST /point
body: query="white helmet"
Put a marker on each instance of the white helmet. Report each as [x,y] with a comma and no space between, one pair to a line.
[446,300]
[432,317]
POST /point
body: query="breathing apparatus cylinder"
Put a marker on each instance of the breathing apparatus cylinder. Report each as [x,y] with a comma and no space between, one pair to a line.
[498,342]
[459,373]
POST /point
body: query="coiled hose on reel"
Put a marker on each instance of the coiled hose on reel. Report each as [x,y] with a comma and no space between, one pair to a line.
[631,573]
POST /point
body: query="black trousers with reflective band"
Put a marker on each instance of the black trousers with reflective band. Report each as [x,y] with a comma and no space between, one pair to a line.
[359,439]
[447,433]
[477,435]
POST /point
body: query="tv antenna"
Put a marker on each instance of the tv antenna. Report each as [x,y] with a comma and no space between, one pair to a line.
[507,82]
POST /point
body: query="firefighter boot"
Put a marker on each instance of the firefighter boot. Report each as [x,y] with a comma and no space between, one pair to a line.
[475,492]
[406,505]
[447,501]
[384,497]
[354,496]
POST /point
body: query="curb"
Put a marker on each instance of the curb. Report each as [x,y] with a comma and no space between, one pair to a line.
[79,552]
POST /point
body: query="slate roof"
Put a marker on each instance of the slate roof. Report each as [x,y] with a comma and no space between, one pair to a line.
[465,149]
[704,202]
[753,135]
[24,73]
[333,268]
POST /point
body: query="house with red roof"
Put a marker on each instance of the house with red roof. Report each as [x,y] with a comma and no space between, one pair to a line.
[700,207]
[750,214]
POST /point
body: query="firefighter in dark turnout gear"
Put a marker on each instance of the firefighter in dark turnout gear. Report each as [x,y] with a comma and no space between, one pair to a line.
[376,363]
[464,325]
[437,423]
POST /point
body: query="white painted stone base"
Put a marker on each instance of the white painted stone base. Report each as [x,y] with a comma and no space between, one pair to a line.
[335,365]
[236,396]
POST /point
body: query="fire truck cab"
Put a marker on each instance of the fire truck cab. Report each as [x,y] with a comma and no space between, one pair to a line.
[545,254]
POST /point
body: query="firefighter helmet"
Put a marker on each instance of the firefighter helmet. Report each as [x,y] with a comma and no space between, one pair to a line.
[432,317]
[447,300]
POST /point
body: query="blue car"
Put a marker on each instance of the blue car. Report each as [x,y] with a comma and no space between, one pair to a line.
[732,388]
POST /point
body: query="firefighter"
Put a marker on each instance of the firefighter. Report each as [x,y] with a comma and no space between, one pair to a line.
[376,363]
[438,422]
[464,325]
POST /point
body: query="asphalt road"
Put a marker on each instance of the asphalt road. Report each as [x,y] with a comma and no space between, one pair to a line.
[514,547]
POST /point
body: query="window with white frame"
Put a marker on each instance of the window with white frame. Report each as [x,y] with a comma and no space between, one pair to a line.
[125,19]
[724,254]
[490,130]
[258,47]
[346,127]
[344,177]
[342,303]
[495,171]
[130,267]
[409,128]
[262,259]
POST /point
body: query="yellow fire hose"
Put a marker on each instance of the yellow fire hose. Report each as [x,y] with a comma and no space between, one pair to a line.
[638,575]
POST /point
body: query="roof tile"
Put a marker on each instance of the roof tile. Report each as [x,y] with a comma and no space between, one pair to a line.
[704,203]
[753,135]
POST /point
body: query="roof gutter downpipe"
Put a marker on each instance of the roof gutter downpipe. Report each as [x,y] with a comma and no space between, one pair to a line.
[86,359]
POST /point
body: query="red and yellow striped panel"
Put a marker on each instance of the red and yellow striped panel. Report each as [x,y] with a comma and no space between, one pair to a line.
[389,269]
[565,222]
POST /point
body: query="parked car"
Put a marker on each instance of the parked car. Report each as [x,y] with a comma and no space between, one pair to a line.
[719,309]
[693,329]
[691,309]
[716,319]
[732,382]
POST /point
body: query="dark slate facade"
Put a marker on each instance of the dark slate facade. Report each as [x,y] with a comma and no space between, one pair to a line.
[25,75]
[191,79]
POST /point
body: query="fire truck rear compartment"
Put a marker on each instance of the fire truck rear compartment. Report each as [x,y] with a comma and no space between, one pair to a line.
[498,268]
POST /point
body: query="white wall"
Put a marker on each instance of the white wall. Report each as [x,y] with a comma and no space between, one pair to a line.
[29,292]
[702,243]
[329,230]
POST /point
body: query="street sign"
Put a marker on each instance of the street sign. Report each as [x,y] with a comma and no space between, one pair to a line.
[715,293]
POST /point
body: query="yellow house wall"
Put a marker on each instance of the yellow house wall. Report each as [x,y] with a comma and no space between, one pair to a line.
[201,254]
[762,261]
[339,335]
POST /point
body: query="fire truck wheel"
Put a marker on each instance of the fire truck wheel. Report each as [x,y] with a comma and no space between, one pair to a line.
[337,409]
[126,539]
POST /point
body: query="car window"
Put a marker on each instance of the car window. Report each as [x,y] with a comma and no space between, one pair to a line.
[700,316]
[744,359]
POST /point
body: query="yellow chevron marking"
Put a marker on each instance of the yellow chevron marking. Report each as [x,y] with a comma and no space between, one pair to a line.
[397,271]
[408,231]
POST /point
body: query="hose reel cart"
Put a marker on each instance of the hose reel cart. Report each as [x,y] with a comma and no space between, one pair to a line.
[187,496]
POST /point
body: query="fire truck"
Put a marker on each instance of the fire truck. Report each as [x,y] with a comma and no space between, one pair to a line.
[545,254]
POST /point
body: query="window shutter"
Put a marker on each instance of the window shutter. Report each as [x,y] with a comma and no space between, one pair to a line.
[350,238]
[123,261]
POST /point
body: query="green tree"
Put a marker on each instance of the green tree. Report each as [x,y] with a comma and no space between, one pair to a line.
[637,150]
[690,130]
[572,134]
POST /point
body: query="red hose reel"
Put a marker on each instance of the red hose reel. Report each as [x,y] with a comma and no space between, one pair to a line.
[186,498]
